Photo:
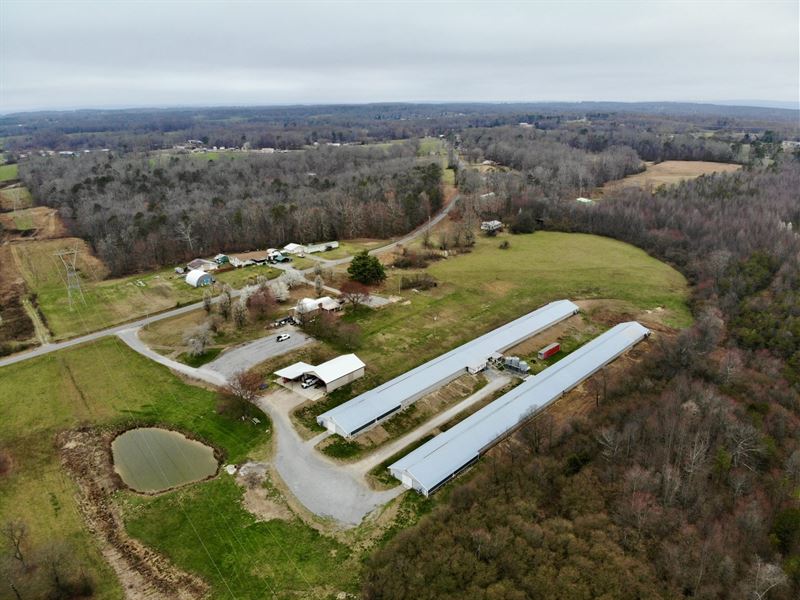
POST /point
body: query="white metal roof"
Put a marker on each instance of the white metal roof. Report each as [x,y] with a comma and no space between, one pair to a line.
[294,371]
[329,371]
[433,463]
[194,276]
[378,402]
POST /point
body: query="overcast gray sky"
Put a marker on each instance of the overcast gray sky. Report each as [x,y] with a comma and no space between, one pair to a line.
[68,54]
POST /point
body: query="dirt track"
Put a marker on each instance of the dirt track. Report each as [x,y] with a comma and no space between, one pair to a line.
[143,573]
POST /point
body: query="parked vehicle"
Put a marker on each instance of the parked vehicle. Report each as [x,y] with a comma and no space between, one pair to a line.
[283,337]
[311,381]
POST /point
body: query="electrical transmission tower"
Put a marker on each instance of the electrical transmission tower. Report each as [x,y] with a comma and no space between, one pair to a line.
[69,259]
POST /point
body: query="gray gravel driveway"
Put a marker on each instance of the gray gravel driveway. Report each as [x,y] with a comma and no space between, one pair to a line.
[248,355]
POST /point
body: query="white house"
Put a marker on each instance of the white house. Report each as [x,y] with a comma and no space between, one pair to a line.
[198,278]
[294,248]
[333,374]
[308,306]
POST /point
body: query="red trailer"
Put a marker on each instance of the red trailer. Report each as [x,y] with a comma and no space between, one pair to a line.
[548,351]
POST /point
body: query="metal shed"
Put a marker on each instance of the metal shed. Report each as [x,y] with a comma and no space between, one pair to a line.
[371,407]
[334,373]
[432,465]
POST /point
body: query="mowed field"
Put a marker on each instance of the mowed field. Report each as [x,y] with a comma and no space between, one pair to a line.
[108,301]
[8,172]
[105,384]
[669,172]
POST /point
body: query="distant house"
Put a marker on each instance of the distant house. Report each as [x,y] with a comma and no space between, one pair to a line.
[311,306]
[201,264]
[491,226]
[198,278]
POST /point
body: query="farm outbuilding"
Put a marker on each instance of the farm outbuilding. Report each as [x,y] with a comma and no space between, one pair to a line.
[197,278]
[433,464]
[371,407]
[333,374]
[201,264]
[294,249]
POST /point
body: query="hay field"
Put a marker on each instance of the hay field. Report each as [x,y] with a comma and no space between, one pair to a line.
[668,172]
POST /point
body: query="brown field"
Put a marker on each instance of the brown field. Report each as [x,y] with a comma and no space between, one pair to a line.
[668,172]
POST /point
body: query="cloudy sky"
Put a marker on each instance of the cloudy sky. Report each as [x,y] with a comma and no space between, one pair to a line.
[116,53]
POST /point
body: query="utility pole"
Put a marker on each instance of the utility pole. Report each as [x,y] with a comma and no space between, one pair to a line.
[69,259]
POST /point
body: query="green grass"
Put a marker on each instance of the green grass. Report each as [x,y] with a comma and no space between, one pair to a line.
[488,287]
[248,559]
[106,384]
[23,222]
[8,172]
[200,359]
[108,302]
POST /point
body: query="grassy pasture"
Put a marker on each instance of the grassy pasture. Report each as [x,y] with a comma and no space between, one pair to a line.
[104,383]
[108,301]
[488,287]
[8,172]
[668,172]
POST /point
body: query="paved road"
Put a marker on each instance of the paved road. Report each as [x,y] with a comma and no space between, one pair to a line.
[40,350]
[248,355]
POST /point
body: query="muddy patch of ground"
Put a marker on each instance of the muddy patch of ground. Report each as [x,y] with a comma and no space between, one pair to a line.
[143,573]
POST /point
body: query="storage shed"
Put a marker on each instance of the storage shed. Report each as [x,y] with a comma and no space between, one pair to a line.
[197,278]
[333,374]
[433,464]
[371,407]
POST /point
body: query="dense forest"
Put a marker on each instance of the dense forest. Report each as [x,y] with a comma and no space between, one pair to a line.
[684,482]
[292,127]
[142,211]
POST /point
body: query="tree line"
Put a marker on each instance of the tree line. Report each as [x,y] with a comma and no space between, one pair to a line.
[144,211]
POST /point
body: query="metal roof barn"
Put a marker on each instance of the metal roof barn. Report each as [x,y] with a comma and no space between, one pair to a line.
[371,407]
[436,462]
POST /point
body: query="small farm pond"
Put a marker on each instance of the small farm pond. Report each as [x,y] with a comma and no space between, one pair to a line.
[149,459]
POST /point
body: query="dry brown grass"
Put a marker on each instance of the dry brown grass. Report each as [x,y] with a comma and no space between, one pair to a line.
[668,172]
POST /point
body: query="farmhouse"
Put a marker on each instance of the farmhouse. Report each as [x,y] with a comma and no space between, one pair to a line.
[373,406]
[332,374]
[312,306]
[433,464]
[198,278]
[294,249]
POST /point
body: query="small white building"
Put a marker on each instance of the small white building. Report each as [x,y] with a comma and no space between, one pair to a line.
[309,306]
[490,226]
[584,200]
[333,374]
[197,278]
[294,248]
